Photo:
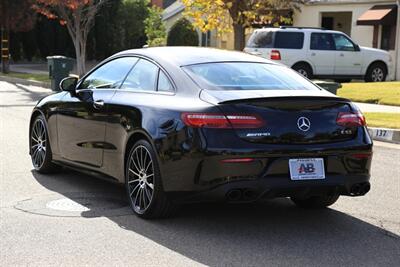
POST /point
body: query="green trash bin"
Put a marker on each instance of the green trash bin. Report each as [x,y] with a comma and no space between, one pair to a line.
[59,68]
[331,87]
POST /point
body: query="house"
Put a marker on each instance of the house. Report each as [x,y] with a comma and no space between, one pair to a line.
[371,23]
[174,11]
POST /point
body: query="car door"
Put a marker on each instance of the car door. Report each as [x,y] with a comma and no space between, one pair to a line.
[128,109]
[322,53]
[81,117]
[348,58]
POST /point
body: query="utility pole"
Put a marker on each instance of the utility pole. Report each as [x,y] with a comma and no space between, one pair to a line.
[5,40]
[5,53]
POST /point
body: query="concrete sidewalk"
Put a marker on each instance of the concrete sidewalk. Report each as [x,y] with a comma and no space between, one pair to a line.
[364,107]
[41,68]
[34,68]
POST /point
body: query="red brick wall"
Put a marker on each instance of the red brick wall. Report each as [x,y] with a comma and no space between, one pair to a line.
[158,3]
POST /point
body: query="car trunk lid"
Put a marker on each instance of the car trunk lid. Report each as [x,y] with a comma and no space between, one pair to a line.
[289,116]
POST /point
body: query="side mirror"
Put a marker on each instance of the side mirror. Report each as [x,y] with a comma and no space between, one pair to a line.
[68,84]
[357,47]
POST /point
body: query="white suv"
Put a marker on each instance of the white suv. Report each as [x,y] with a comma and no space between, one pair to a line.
[319,53]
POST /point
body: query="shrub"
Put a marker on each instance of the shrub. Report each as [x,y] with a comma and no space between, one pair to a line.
[154,27]
[182,33]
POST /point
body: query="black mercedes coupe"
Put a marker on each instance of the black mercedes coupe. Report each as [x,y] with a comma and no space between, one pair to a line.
[187,124]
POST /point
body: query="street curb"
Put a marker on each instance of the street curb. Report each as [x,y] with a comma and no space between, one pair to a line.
[24,81]
[385,134]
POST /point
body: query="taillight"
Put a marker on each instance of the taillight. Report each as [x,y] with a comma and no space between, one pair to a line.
[275,55]
[365,155]
[349,119]
[212,120]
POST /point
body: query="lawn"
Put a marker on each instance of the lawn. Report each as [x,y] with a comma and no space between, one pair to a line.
[386,120]
[29,76]
[386,93]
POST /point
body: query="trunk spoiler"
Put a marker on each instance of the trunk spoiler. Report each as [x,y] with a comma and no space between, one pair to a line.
[229,96]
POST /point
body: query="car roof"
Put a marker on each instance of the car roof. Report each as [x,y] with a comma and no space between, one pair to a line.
[185,55]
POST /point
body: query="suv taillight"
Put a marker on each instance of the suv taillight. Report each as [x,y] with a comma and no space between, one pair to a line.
[275,55]
[213,120]
[350,119]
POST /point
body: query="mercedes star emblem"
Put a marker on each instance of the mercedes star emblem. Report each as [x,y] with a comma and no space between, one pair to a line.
[303,124]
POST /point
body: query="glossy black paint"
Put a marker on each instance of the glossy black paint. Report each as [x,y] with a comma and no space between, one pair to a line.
[95,138]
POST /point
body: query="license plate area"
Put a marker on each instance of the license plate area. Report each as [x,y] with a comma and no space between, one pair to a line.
[306,169]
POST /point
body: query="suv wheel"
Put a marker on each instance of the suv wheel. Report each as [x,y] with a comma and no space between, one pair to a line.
[315,202]
[376,73]
[304,70]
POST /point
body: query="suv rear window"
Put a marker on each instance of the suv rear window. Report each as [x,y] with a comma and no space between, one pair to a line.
[247,76]
[289,40]
[261,39]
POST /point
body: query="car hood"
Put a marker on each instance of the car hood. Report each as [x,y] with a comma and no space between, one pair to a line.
[373,50]
[216,97]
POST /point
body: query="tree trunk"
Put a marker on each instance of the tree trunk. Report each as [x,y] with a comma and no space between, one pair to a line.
[239,36]
[80,52]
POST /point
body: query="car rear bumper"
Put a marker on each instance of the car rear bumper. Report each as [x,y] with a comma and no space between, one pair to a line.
[208,170]
[272,187]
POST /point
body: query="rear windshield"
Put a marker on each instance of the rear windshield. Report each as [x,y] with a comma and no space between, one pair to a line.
[261,39]
[247,76]
[278,39]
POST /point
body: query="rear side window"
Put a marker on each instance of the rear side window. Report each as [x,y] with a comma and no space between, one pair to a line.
[289,40]
[247,76]
[142,77]
[322,41]
[163,84]
[261,39]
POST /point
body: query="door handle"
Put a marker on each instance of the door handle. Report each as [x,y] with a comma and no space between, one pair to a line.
[341,54]
[312,54]
[98,104]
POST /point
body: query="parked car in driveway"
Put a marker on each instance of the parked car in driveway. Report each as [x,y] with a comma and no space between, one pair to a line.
[319,53]
[181,124]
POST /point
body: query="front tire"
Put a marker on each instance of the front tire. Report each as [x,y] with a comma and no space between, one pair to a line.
[144,184]
[376,73]
[40,149]
[315,202]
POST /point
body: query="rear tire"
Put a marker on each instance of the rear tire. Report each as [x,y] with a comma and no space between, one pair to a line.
[315,202]
[304,70]
[40,149]
[144,184]
[376,73]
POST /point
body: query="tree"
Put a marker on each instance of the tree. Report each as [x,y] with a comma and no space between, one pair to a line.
[155,28]
[15,16]
[78,16]
[183,33]
[132,14]
[123,23]
[212,14]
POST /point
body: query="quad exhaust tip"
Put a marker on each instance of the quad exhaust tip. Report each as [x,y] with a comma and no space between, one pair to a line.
[241,195]
[234,195]
[360,189]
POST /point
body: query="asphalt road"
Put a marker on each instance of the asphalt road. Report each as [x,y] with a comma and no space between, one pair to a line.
[41,226]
